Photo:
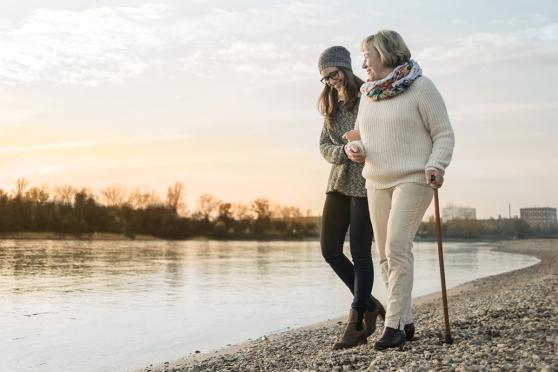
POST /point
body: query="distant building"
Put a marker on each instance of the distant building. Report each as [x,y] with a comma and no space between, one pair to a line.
[541,218]
[452,212]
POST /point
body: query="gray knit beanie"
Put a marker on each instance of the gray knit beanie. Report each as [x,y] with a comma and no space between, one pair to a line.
[335,56]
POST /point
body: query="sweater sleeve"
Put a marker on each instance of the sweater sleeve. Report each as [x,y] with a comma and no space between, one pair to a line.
[435,118]
[331,152]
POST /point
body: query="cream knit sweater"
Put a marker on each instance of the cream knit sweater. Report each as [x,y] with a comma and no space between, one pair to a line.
[404,135]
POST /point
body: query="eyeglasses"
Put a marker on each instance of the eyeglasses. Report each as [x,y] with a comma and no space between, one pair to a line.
[333,75]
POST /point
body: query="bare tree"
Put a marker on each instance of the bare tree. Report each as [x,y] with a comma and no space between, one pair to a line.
[139,199]
[262,208]
[241,211]
[225,212]
[21,185]
[151,198]
[134,198]
[277,211]
[286,212]
[65,194]
[207,206]
[175,196]
[114,195]
[37,194]
[88,191]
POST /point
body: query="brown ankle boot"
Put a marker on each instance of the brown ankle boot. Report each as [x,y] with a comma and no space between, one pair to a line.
[373,310]
[355,333]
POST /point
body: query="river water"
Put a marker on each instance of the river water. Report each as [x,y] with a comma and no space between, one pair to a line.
[116,306]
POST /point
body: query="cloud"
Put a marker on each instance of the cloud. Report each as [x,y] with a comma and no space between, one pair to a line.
[458,21]
[257,42]
[481,48]
[548,32]
[286,72]
[266,59]
[510,118]
[526,20]
[240,50]
[5,24]
[217,23]
[79,47]
[93,143]
[112,44]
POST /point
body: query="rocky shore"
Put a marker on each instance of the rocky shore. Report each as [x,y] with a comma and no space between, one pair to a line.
[508,322]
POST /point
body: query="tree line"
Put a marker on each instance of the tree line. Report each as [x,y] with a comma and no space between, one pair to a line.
[116,209]
[489,229]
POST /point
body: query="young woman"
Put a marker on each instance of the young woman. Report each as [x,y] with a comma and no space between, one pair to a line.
[408,143]
[346,203]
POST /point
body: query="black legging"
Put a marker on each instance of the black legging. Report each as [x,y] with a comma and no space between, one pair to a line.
[340,211]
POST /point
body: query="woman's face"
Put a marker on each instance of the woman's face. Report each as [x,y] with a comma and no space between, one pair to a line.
[372,62]
[333,77]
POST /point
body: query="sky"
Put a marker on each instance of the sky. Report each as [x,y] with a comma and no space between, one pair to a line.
[221,95]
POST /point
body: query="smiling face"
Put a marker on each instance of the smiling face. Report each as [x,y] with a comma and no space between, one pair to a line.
[373,63]
[333,77]
[383,51]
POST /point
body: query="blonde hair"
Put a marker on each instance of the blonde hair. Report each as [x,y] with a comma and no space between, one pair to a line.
[391,47]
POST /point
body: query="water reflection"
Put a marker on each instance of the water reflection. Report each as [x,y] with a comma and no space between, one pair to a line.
[73,265]
[89,306]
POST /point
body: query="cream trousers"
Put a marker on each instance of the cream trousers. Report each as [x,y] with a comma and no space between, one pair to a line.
[396,213]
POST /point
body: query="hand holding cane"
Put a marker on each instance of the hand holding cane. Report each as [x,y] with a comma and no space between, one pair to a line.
[448,338]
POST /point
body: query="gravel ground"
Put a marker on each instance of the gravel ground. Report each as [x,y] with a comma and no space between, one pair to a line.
[507,322]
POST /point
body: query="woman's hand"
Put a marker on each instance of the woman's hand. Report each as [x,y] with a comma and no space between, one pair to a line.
[434,178]
[356,156]
[352,135]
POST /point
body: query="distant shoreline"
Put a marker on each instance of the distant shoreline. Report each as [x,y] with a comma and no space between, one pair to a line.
[115,236]
[59,236]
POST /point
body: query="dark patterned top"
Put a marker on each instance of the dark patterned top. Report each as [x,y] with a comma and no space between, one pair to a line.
[346,175]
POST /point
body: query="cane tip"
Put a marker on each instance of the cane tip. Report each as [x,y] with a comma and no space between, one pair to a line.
[448,340]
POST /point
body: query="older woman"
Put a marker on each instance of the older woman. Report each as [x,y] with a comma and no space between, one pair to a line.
[408,143]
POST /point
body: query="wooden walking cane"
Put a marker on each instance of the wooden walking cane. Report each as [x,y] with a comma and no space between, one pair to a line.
[448,338]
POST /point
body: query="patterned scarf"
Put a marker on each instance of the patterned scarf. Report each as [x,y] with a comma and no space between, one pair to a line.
[398,81]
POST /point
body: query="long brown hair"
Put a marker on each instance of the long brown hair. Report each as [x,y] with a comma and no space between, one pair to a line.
[328,100]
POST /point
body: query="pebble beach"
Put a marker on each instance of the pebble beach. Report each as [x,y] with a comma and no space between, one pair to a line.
[507,322]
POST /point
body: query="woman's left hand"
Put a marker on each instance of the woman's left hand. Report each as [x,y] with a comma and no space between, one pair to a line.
[434,178]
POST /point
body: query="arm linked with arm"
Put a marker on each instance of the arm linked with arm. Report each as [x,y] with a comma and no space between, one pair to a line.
[335,154]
